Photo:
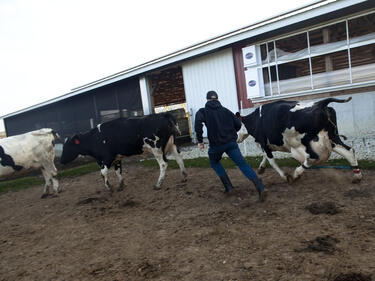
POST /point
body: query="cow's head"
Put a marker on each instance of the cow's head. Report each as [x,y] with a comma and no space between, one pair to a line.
[242,134]
[71,149]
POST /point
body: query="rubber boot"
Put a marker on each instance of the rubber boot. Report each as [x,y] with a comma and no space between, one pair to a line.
[262,190]
[227,184]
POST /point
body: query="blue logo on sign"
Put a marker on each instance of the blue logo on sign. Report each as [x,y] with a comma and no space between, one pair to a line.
[249,55]
[252,83]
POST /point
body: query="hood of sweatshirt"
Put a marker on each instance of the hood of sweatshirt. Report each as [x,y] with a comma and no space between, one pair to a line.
[213,104]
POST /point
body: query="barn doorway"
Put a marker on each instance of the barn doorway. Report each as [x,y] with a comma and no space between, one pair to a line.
[168,94]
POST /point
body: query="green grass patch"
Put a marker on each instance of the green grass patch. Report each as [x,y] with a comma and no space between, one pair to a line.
[79,170]
[254,162]
[22,183]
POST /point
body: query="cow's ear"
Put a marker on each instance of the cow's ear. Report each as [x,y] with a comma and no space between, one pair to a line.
[238,115]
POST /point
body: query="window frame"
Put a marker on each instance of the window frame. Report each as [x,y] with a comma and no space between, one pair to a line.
[348,46]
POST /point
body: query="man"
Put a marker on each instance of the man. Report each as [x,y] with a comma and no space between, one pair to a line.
[222,126]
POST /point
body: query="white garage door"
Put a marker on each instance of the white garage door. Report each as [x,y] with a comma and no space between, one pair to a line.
[211,72]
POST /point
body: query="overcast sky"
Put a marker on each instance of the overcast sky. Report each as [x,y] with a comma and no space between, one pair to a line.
[48,47]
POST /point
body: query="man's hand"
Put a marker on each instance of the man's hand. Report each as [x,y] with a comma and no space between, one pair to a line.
[201,145]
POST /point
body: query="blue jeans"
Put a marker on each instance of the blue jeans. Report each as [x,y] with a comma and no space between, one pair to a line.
[215,154]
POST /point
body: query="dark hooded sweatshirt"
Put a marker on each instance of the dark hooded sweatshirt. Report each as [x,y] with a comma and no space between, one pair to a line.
[222,125]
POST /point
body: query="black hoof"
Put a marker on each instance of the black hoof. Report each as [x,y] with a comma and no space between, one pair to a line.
[261,170]
[356,180]
[289,179]
[45,195]
[121,187]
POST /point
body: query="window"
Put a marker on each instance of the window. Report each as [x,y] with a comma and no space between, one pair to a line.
[335,55]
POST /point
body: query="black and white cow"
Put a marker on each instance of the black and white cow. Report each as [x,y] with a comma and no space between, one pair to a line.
[307,130]
[110,141]
[30,151]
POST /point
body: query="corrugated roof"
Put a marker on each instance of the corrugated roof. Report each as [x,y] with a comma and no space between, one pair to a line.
[316,8]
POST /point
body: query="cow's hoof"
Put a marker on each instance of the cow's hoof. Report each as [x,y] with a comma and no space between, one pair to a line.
[121,187]
[356,180]
[289,179]
[261,170]
[157,187]
[45,195]
[184,176]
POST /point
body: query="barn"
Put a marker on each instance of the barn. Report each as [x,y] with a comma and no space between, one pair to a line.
[319,50]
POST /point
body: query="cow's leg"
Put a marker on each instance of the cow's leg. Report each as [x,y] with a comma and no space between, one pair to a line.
[162,164]
[47,178]
[104,172]
[49,172]
[55,182]
[341,148]
[118,169]
[180,162]
[282,174]
[262,165]
[271,160]
[349,154]
[301,156]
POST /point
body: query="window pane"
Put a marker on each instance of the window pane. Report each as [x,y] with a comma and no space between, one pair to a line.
[267,56]
[294,77]
[263,53]
[330,70]
[360,27]
[363,63]
[291,48]
[328,39]
[362,48]
[266,79]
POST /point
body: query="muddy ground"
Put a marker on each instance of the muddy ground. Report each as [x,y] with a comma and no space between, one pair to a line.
[320,228]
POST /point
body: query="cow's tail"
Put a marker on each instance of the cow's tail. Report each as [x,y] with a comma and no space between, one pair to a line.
[56,137]
[173,125]
[174,130]
[325,102]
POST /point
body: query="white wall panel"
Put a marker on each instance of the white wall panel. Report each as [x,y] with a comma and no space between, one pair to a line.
[211,72]
[145,95]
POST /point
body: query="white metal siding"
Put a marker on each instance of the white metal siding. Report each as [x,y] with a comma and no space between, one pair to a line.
[211,72]
[146,104]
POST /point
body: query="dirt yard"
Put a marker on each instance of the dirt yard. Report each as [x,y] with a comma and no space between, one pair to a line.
[320,228]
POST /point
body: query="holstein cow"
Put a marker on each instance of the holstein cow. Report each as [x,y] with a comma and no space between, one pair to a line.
[307,130]
[30,151]
[110,141]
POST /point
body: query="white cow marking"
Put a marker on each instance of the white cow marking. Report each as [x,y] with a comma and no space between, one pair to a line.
[147,146]
[242,134]
[292,138]
[300,106]
[322,147]
[104,173]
